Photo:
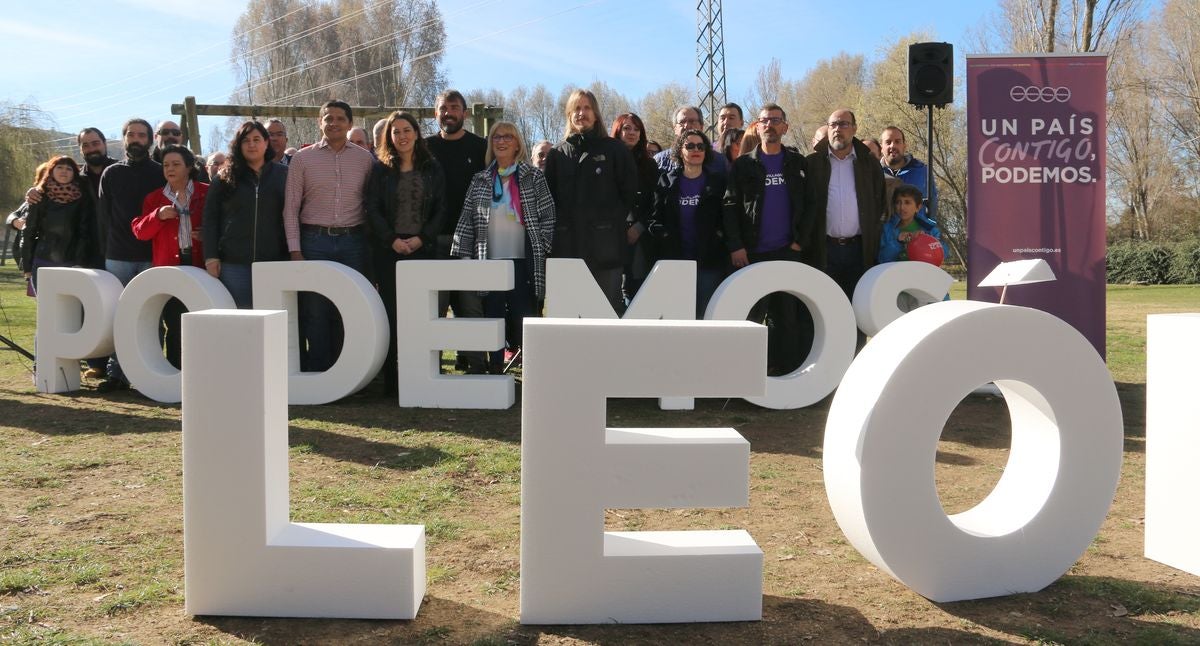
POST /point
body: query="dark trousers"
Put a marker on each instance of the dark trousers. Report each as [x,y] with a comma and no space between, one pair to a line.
[512,306]
[844,264]
[789,324]
[170,331]
[321,328]
[466,304]
[385,268]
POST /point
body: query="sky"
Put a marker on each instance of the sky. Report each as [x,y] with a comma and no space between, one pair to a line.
[122,58]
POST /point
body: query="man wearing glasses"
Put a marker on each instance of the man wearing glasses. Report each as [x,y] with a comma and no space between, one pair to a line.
[687,117]
[765,220]
[846,200]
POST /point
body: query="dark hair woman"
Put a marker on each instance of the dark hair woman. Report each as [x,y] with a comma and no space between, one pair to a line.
[686,222]
[171,221]
[508,214]
[57,229]
[406,206]
[731,144]
[243,216]
[630,130]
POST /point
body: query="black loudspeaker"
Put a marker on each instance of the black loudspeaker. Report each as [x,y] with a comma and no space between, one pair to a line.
[931,74]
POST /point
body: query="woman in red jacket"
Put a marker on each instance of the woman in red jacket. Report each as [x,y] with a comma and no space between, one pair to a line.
[171,221]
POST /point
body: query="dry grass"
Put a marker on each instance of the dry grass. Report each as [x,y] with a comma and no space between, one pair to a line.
[91,530]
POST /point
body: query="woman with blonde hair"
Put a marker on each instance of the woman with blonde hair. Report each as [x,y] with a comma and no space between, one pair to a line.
[508,214]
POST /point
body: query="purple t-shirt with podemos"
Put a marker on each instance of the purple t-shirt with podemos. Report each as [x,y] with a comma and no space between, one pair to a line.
[775,231]
[689,202]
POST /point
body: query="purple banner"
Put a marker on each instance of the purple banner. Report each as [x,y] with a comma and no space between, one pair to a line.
[1036,143]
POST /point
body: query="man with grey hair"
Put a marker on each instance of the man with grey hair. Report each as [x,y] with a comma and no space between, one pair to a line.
[215,162]
[687,117]
[278,140]
[538,153]
[358,137]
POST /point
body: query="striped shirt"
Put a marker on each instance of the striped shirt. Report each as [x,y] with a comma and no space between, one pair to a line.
[325,188]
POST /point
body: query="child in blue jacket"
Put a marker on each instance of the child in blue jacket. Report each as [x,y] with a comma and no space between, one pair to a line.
[905,224]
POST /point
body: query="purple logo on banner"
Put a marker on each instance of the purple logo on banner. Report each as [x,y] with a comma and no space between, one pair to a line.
[1036,145]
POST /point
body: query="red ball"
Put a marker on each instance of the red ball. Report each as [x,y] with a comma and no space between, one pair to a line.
[926,248]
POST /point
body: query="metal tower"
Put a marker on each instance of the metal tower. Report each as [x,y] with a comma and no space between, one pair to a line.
[710,60]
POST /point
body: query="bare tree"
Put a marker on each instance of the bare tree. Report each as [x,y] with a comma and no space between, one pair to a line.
[657,110]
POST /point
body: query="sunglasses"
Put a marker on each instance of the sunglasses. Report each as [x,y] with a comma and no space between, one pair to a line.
[693,146]
[174,132]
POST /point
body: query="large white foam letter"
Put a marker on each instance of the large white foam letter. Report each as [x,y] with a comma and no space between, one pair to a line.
[421,335]
[876,292]
[669,292]
[833,320]
[881,441]
[1172,444]
[135,330]
[364,345]
[64,334]
[241,554]
[573,468]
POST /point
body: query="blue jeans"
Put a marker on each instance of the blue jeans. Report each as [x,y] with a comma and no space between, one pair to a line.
[707,282]
[321,328]
[124,270]
[236,278]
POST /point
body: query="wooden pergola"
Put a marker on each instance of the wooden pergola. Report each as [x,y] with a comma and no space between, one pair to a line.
[481,115]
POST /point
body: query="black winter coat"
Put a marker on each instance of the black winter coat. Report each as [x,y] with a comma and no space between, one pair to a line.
[244,224]
[59,233]
[593,179]
[711,252]
[743,208]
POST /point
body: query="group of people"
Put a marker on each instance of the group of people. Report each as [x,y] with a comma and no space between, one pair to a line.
[605,196]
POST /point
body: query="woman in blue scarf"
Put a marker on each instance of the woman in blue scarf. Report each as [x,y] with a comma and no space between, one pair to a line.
[508,215]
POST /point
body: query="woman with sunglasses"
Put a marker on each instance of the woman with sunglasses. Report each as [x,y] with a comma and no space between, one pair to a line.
[508,215]
[686,223]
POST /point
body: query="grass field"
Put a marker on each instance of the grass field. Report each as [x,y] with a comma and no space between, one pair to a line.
[91,548]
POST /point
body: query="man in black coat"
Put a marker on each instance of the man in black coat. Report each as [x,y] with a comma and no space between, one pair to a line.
[593,179]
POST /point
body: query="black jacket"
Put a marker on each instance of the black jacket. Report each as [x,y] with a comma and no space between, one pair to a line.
[123,187]
[593,179]
[869,189]
[244,224]
[381,204]
[711,252]
[744,206]
[59,233]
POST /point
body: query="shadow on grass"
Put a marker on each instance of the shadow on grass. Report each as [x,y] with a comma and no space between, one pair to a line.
[60,415]
[1088,609]
[786,620]
[347,448]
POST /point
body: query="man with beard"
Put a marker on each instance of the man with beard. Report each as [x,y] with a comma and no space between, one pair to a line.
[123,187]
[593,179]
[905,168]
[765,220]
[846,199]
[94,149]
[323,219]
[461,155]
[278,141]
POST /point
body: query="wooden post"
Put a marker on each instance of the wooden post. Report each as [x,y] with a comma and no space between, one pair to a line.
[479,119]
[191,124]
